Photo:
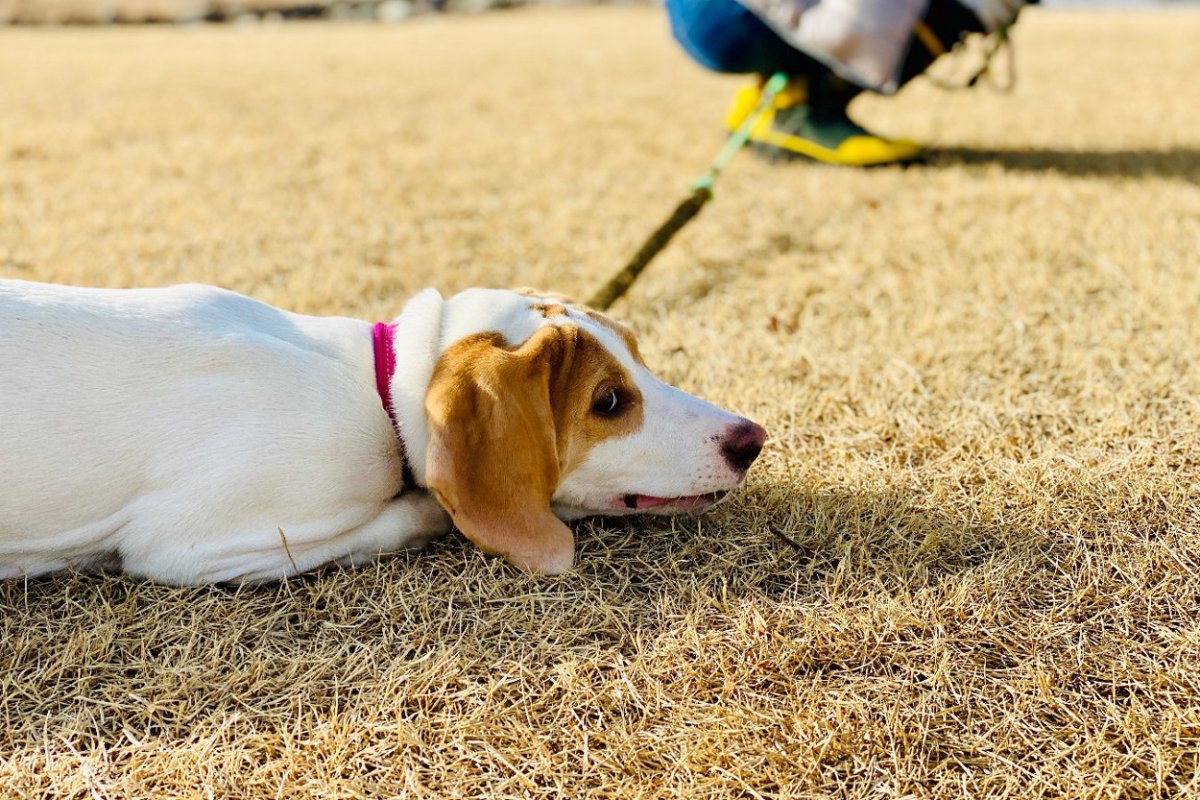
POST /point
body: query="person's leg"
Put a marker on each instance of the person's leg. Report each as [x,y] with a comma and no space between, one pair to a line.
[724,36]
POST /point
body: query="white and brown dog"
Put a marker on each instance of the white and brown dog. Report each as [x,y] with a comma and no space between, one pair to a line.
[192,434]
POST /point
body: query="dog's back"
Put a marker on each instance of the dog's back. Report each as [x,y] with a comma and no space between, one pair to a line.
[121,408]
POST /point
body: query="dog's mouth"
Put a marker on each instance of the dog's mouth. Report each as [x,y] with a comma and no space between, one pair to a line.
[692,502]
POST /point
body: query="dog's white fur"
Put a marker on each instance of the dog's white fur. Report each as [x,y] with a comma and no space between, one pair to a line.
[191,434]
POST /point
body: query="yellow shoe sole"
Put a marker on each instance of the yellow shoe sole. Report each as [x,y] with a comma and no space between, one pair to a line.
[856,151]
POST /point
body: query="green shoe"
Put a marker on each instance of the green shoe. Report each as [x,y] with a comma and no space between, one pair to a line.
[793,128]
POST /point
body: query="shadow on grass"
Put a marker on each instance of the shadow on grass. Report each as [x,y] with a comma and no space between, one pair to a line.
[784,544]
[1182,162]
[88,657]
[770,541]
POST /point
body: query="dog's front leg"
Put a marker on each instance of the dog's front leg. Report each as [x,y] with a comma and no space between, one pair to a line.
[409,522]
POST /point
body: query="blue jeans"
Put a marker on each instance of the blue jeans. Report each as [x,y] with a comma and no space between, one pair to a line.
[725,37]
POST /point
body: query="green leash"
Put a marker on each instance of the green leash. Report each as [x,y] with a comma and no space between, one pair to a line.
[702,192]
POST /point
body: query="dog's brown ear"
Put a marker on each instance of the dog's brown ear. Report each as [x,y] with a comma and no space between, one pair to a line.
[493,458]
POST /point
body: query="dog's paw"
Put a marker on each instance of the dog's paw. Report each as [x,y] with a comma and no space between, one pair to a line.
[424,514]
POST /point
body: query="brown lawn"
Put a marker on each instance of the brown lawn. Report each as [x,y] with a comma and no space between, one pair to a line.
[980,377]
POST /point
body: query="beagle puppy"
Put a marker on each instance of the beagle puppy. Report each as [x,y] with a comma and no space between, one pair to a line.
[191,434]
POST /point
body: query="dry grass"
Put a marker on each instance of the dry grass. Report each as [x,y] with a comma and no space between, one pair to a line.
[980,377]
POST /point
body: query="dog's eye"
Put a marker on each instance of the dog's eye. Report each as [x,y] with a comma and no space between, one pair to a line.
[607,404]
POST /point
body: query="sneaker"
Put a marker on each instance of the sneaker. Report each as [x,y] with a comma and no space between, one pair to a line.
[794,128]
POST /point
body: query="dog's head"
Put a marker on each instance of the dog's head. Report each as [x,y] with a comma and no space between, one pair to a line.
[540,409]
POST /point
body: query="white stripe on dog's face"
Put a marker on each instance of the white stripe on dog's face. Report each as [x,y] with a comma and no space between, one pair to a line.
[540,404]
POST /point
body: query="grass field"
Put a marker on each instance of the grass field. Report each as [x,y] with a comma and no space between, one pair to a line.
[980,377]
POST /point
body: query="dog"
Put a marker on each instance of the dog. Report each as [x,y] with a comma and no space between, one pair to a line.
[191,435]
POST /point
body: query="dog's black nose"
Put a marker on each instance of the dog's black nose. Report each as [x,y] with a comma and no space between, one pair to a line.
[743,442]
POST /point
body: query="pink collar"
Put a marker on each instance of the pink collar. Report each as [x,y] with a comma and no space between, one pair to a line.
[383,336]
